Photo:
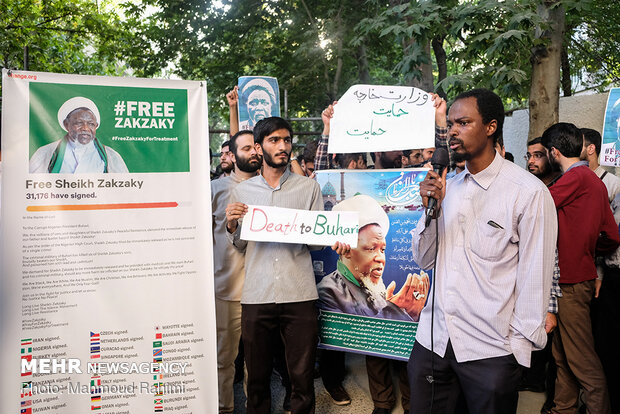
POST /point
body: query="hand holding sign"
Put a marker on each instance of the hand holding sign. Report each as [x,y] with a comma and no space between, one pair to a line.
[234,212]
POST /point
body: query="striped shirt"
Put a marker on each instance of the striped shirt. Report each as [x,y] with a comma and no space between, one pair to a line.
[277,272]
[497,238]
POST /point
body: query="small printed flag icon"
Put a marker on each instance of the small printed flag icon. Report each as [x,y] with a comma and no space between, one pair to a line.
[26,410]
[94,335]
[27,341]
[95,407]
[26,403]
[159,400]
[93,356]
[26,350]
[157,344]
[158,335]
[157,359]
[26,389]
[95,398]
[95,349]
[157,352]
[94,342]
[156,377]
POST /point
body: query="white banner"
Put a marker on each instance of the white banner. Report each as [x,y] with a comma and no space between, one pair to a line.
[106,295]
[610,148]
[286,225]
[372,118]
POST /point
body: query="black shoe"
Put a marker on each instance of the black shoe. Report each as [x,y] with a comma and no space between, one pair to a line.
[406,412]
[339,395]
[381,411]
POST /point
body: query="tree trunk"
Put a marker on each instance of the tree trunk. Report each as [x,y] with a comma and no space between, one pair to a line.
[425,82]
[545,87]
[362,64]
[441,59]
[567,86]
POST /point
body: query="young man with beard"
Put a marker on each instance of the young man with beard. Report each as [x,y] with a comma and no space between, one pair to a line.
[228,265]
[606,309]
[586,228]
[538,162]
[226,162]
[279,293]
[492,245]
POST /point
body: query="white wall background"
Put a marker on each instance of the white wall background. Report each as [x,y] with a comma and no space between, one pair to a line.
[585,111]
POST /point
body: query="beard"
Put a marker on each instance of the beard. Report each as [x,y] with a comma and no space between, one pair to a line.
[249,165]
[270,162]
[461,156]
[227,167]
[387,162]
[376,288]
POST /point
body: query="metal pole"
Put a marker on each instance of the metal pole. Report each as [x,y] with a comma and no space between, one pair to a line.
[286,103]
[25,57]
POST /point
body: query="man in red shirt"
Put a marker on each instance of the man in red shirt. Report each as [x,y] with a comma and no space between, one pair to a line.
[586,227]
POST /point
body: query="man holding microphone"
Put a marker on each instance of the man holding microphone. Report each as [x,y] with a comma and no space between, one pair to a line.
[491,242]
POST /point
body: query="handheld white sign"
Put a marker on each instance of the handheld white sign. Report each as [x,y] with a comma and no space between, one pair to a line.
[286,225]
[372,118]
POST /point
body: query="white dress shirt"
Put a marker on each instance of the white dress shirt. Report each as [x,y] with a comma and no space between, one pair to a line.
[497,238]
[78,159]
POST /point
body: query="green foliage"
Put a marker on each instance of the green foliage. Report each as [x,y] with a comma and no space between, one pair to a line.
[489,42]
[61,36]
[593,42]
[309,45]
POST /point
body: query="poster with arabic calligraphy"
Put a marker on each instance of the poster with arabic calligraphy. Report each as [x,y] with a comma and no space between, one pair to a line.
[358,312]
[372,118]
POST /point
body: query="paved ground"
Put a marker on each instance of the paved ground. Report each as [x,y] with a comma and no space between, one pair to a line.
[356,384]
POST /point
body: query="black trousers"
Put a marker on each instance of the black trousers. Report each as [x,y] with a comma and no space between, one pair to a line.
[296,323]
[380,381]
[605,324]
[332,366]
[488,385]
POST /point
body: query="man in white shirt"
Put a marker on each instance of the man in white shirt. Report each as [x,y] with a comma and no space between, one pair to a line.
[78,151]
[496,227]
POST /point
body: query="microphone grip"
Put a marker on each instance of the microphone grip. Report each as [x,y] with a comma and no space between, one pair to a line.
[430,212]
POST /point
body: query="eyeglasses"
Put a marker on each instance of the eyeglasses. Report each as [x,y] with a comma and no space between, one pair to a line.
[536,155]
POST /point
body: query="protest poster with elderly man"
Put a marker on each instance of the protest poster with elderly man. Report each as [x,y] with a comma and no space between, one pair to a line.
[88,129]
[371,297]
[259,98]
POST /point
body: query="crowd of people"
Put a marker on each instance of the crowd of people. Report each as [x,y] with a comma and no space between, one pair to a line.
[526,266]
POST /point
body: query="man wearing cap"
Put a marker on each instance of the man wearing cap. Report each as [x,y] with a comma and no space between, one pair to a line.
[259,98]
[78,151]
[357,287]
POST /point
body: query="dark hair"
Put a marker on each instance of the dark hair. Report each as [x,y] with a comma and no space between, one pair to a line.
[509,156]
[592,136]
[490,107]
[537,140]
[268,126]
[233,140]
[564,137]
[346,159]
[225,144]
[310,151]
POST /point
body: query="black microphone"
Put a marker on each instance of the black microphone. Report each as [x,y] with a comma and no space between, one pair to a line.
[439,161]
